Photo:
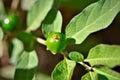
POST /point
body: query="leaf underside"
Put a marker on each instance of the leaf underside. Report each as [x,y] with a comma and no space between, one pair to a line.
[63,70]
[90,76]
[37,14]
[26,66]
[108,73]
[102,54]
[52,22]
[95,17]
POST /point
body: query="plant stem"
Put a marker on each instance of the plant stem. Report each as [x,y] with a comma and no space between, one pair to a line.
[41,41]
[86,66]
[65,54]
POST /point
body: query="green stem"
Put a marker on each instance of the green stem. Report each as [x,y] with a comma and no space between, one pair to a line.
[65,53]
[86,66]
[41,41]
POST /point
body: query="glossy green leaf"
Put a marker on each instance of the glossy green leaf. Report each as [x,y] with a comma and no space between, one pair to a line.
[16,51]
[95,17]
[27,60]
[26,66]
[76,56]
[1,34]
[110,74]
[52,22]
[2,9]
[29,4]
[37,14]
[102,54]
[63,70]
[90,76]
[94,76]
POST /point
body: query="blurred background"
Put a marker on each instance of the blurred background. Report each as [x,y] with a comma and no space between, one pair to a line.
[47,61]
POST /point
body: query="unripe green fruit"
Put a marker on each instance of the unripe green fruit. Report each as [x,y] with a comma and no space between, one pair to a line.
[56,42]
[9,22]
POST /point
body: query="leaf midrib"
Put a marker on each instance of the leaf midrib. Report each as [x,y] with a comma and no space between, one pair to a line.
[91,76]
[35,20]
[105,73]
[101,59]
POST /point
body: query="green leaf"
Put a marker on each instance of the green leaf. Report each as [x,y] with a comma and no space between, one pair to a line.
[28,39]
[37,14]
[2,9]
[76,56]
[27,60]
[1,34]
[95,17]
[63,70]
[94,76]
[26,66]
[52,22]
[102,54]
[102,77]
[90,76]
[17,50]
[110,74]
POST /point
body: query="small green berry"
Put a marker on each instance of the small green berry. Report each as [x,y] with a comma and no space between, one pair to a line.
[9,22]
[56,42]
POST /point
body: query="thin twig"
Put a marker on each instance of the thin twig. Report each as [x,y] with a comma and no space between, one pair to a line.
[41,41]
[65,54]
[86,66]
